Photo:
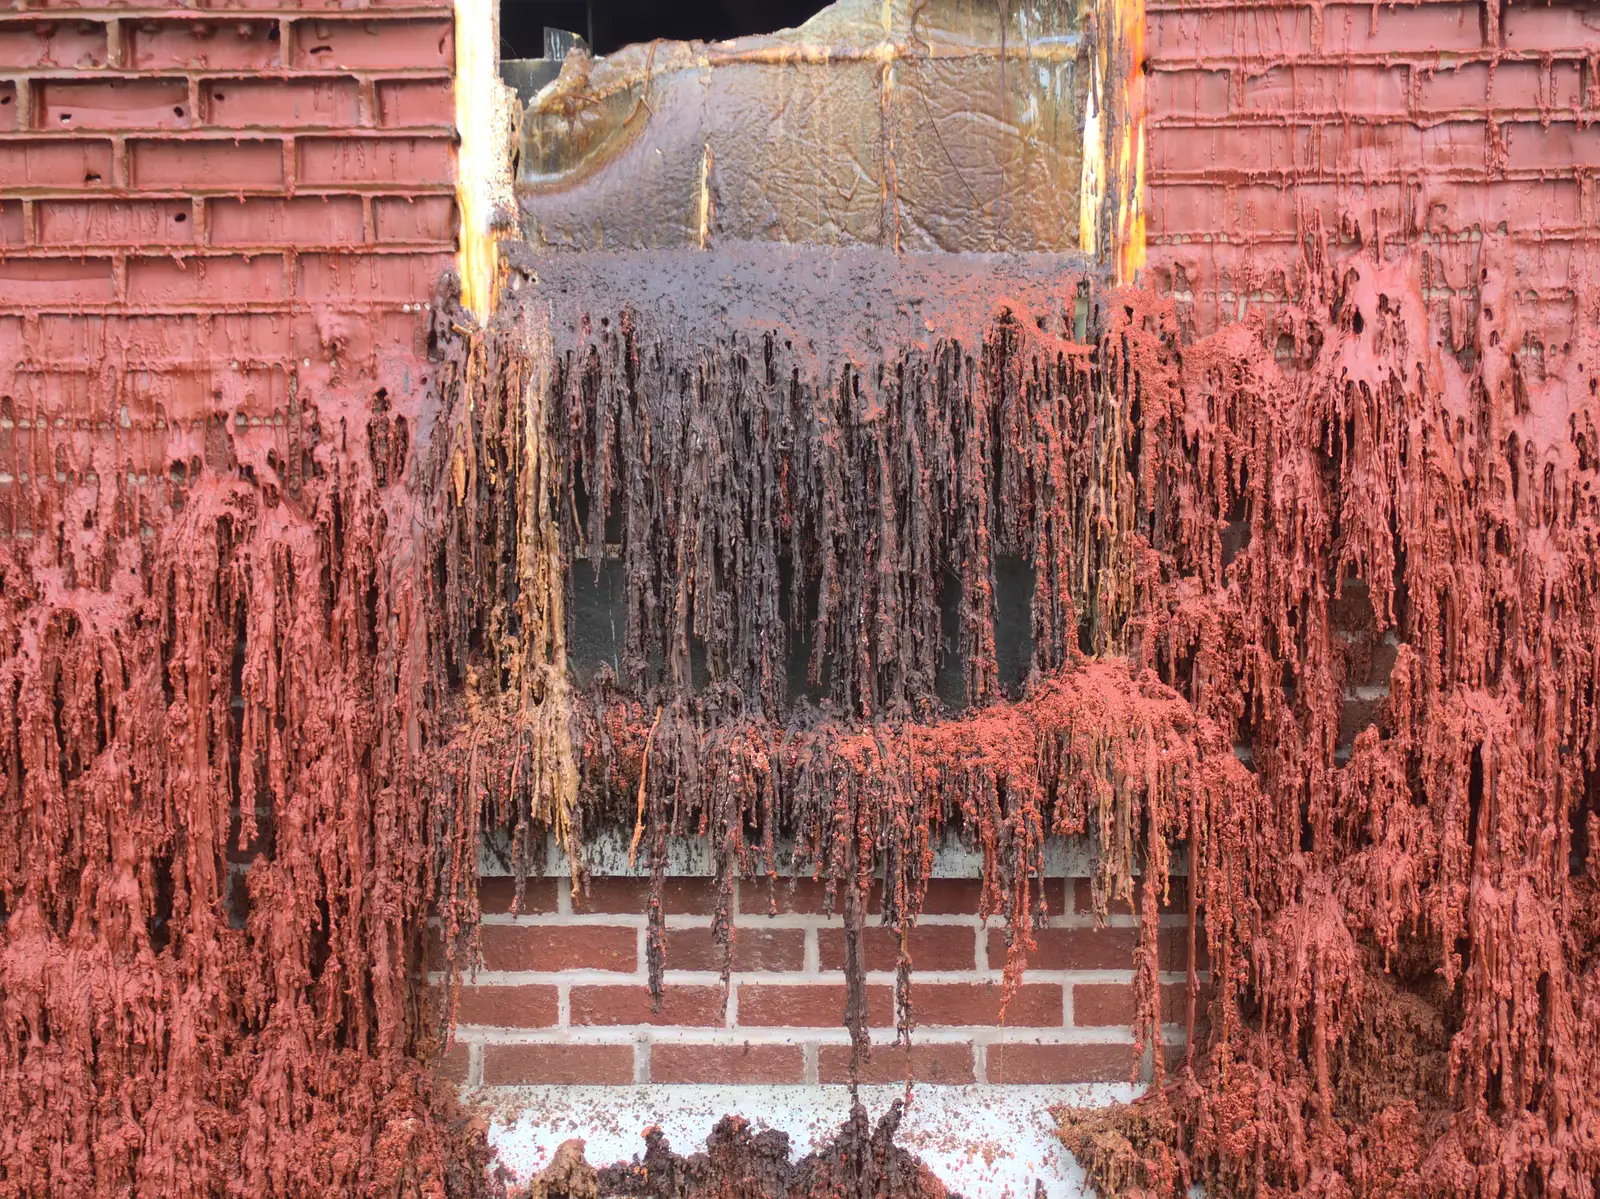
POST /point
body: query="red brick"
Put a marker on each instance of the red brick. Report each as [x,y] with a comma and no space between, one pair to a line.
[1555,201]
[42,281]
[753,949]
[373,44]
[559,947]
[62,43]
[1011,1063]
[566,1065]
[631,896]
[1186,94]
[222,44]
[454,1063]
[1516,85]
[727,1063]
[409,102]
[808,1005]
[8,106]
[282,103]
[949,1005]
[207,165]
[424,219]
[495,894]
[1425,30]
[945,897]
[13,229]
[699,1007]
[1175,903]
[1335,90]
[937,1063]
[272,220]
[412,161]
[1106,1005]
[932,947]
[1561,147]
[1252,33]
[370,277]
[529,1006]
[1574,28]
[786,896]
[78,163]
[189,281]
[1230,150]
[112,104]
[115,222]
[1072,948]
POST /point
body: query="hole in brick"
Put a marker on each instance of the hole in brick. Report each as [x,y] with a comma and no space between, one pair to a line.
[66,117]
[218,96]
[321,50]
[177,110]
[91,177]
[180,217]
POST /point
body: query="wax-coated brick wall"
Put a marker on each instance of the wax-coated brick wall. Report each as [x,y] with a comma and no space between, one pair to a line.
[1464,134]
[206,215]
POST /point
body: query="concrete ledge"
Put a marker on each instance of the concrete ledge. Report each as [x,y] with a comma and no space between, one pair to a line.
[985,1142]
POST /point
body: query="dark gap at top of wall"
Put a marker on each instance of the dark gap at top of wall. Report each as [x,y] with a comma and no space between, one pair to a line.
[608,25]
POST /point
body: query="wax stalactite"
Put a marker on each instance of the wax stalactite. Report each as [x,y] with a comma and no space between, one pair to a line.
[216,854]
[1312,603]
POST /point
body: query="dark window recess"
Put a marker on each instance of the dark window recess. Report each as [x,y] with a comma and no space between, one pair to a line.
[800,684]
[1013,632]
[608,25]
[599,618]
[1013,622]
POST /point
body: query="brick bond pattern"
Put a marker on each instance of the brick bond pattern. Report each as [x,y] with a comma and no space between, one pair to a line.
[1383,117]
[562,995]
[196,205]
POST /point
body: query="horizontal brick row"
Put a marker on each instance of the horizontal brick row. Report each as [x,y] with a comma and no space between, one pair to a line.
[224,165]
[304,220]
[1375,151]
[180,104]
[207,42]
[802,1005]
[61,355]
[174,282]
[747,1062]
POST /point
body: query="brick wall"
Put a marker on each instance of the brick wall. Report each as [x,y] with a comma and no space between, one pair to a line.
[562,996]
[206,210]
[1460,133]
